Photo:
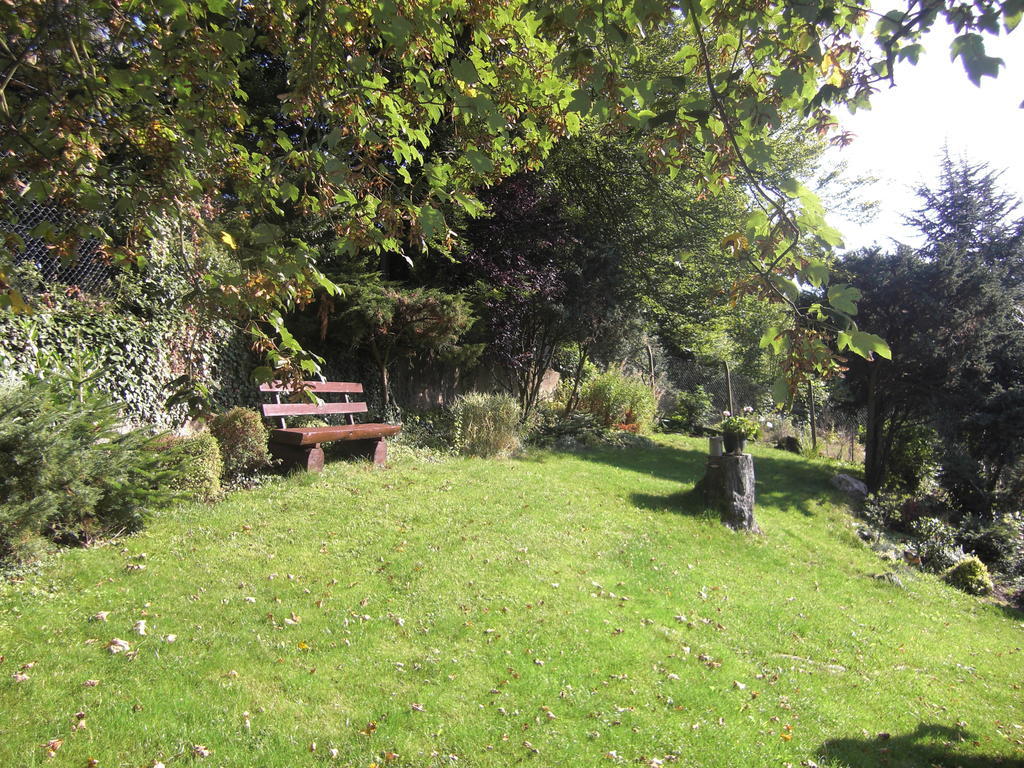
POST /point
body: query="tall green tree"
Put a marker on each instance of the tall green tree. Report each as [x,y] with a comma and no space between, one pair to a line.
[389,110]
[950,311]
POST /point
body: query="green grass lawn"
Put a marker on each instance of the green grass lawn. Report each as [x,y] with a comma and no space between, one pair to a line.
[550,610]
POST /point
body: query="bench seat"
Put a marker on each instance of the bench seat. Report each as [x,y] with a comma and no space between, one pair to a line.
[299,447]
[316,435]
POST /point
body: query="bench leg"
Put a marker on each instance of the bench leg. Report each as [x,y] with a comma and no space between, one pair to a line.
[375,448]
[307,457]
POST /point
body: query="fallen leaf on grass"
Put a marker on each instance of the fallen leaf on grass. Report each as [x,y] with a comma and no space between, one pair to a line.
[200,751]
[101,616]
[117,645]
[91,683]
[18,677]
[371,727]
[52,746]
[140,626]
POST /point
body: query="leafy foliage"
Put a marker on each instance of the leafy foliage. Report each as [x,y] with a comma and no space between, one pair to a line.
[390,321]
[691,411]
[372,122]
[935,542]
[70,471]
[618,400]
[742,426]
[242,439]
[133,356]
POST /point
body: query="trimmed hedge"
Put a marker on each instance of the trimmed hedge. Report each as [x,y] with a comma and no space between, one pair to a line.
[197,458]
[243,440]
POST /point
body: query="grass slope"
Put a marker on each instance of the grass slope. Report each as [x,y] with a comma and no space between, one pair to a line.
[553,610]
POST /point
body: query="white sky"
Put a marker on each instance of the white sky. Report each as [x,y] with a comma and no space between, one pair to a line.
[933,104]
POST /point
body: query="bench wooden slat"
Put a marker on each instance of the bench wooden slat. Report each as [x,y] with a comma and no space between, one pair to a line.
[309,409]
[315,435]
[348,387]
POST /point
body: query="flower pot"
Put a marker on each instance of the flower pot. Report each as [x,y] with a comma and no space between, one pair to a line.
[734,443]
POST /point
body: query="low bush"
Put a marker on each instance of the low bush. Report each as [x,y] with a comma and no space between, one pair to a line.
[971,576]
[432,430]
[691,411]
[198,461]
[242,439]
[487,425]
[70,469]
[618,400]
[935,542]
[999,544]
[551,430]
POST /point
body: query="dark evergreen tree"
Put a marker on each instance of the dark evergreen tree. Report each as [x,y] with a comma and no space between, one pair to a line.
[950,312]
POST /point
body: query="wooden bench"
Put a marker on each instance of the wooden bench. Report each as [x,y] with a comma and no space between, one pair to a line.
[300,446]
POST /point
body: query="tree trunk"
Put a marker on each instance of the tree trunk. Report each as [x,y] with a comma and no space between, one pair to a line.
[814,421]
[574,396]
[650,365]
[728,389]
[874,472]
[385,379]
[728,486]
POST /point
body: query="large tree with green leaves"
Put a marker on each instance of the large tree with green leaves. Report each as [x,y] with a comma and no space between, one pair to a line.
[376,114]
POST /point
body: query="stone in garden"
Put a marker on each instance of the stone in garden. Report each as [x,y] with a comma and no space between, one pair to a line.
[789,443]
[850,486]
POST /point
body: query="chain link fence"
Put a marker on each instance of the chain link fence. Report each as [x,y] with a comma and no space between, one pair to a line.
[87,269]
[835,431]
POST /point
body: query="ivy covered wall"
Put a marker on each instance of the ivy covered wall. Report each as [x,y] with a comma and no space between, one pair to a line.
[137,356]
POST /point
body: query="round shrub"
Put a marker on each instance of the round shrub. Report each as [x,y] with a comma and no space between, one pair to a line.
[198,460]
[971,576]
[242,439]
[487,425]
[618,400]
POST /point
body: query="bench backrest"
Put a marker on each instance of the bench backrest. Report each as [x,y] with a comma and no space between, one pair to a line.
[344,388]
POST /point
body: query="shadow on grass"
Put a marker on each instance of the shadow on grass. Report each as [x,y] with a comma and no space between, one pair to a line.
[784,481]
[929,744]
[689,502]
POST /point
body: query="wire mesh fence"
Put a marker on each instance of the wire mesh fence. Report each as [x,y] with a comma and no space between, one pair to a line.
[835,431]
[87,269]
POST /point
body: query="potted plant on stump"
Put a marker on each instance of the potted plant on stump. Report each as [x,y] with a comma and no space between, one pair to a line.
[736,430]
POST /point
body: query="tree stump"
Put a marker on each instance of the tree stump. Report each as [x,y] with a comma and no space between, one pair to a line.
[728,486]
